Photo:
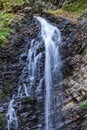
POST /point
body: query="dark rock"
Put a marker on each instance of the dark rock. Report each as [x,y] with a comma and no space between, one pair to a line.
[13,61]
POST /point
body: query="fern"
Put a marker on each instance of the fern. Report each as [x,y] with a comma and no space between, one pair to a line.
[5,23]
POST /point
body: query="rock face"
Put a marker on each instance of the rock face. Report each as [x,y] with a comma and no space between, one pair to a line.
[13,61]
[73,49]
[40,5]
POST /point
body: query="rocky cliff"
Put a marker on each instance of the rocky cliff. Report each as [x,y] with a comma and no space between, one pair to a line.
[73,53]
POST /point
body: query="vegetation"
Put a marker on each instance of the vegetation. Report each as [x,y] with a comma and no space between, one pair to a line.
[7,5]
[84,104]
[5,91]
[28,99]
[72,9]
[6,18]
[2,121]
[76,6]
[62,13]
[5,28]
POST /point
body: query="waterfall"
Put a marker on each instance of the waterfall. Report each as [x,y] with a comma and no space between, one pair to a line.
[50,39]
[11,116]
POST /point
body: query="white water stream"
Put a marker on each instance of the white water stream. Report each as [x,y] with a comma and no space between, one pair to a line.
[11,116]
[51,37]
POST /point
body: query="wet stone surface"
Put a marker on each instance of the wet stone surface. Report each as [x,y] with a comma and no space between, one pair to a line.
[13,59]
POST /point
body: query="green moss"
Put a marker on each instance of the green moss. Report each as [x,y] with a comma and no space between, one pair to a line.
[78,6]
[62,13]
[28,99]
[2,121]
[7,84]
[3,96]
[5,90]
[84,104]
[74,10]
[19,24]
[84,14]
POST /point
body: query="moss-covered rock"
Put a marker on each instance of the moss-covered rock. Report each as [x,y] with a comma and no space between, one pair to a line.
[5,90]
[63,13]
[73,10]
[77,6]
[84,104]
[2,121]
[28,99]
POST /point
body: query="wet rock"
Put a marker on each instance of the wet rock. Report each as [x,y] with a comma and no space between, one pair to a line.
[30,111]
[23,56]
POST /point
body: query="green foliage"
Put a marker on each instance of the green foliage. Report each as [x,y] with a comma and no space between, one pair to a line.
[6,17]
[5,23]
[2,121]
[78,6]
[84,104]
[84,14]
[8,4]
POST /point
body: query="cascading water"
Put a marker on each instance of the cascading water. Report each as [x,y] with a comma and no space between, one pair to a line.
[31,83]
[11,116]
[52,39]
